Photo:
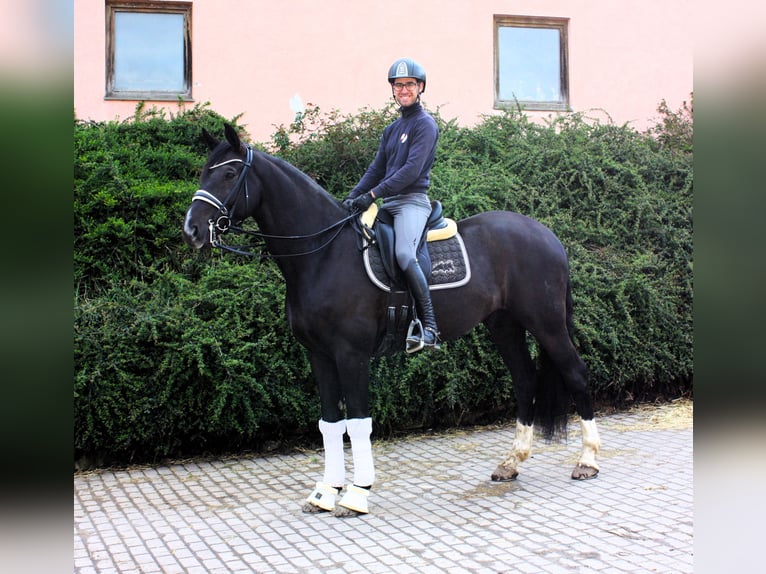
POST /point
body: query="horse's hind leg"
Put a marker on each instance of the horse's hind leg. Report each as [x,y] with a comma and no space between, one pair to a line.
[561,352]
[576,380]
[510,339]
[587,467]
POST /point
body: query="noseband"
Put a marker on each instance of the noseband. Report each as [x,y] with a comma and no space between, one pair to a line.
[223,219]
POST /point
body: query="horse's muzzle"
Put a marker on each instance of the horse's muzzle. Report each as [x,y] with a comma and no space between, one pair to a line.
[193,235]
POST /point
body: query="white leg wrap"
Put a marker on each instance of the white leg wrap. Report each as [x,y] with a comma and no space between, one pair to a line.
[359,430]
[334,463]
[356,499]
[323,496]
[591,443]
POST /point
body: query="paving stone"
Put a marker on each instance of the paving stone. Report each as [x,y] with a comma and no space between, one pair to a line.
[434,509]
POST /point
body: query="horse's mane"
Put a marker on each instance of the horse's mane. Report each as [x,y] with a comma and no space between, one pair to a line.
[296,175]
[298,178]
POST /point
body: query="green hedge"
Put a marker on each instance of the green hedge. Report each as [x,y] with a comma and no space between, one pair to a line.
[181,353]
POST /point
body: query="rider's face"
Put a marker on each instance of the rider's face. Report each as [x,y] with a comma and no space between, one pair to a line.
[406,91]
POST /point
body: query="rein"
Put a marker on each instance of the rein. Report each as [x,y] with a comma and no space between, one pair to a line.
[223,222]
[217,243]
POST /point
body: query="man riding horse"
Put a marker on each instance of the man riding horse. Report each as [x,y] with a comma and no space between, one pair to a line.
[400,175]
[519,286]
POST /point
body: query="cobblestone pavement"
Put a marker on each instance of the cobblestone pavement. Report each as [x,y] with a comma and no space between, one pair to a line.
[433,509]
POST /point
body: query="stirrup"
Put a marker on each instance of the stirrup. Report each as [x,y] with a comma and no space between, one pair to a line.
[415,340]
[416,337]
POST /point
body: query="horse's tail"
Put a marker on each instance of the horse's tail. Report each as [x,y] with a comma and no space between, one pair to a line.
[552,399]
[570,310]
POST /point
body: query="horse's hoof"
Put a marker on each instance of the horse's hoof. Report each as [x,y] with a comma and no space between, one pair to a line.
[353,503]
[321,498]
[309,508]
[343,512]
[584,472]
[503,474]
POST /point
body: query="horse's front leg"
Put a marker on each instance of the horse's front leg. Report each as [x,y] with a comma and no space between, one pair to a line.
[332,426]
[354,371]
[344,396]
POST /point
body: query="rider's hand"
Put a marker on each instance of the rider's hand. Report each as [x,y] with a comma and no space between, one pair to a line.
[348,203]
[363,202]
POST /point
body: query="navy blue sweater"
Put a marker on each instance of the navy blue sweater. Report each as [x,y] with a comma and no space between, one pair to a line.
[404,158]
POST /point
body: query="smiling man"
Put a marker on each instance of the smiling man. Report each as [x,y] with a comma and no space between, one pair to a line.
[400,175]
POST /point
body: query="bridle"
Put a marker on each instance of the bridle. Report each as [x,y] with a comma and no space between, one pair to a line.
[221,223]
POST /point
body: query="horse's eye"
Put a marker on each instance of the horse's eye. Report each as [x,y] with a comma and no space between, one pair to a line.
[230,174]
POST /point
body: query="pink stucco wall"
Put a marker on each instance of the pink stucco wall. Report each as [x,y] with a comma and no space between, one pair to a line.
[253,56]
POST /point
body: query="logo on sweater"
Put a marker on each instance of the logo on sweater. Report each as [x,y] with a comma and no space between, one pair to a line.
[403,138]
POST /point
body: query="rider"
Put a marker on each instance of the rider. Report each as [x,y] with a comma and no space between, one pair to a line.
[400,174]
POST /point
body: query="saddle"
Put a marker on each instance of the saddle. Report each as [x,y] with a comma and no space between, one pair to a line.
[441,252]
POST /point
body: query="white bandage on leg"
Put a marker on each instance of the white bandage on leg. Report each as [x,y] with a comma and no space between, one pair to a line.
[323,496]
[334,463]
[359,430]
[356,499]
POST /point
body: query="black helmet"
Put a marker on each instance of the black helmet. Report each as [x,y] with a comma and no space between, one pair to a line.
[407,68]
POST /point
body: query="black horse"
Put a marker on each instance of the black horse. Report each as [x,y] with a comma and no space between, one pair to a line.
[519,283]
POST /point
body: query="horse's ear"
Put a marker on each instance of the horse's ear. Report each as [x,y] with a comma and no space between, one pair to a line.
[232,137]
[211,141]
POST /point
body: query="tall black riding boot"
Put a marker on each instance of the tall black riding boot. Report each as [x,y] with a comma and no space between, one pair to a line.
[429,337]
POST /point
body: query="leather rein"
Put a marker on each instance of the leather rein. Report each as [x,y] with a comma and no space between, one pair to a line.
[222,222]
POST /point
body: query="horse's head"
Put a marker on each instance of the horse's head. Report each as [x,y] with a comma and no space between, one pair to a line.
[223,198]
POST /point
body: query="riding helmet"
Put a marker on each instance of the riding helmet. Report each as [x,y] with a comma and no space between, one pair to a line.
[407,68]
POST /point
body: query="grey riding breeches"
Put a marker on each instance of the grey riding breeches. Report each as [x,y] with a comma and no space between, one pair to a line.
[410,213]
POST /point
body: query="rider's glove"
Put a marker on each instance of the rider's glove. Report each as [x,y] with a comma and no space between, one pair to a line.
[363,202]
